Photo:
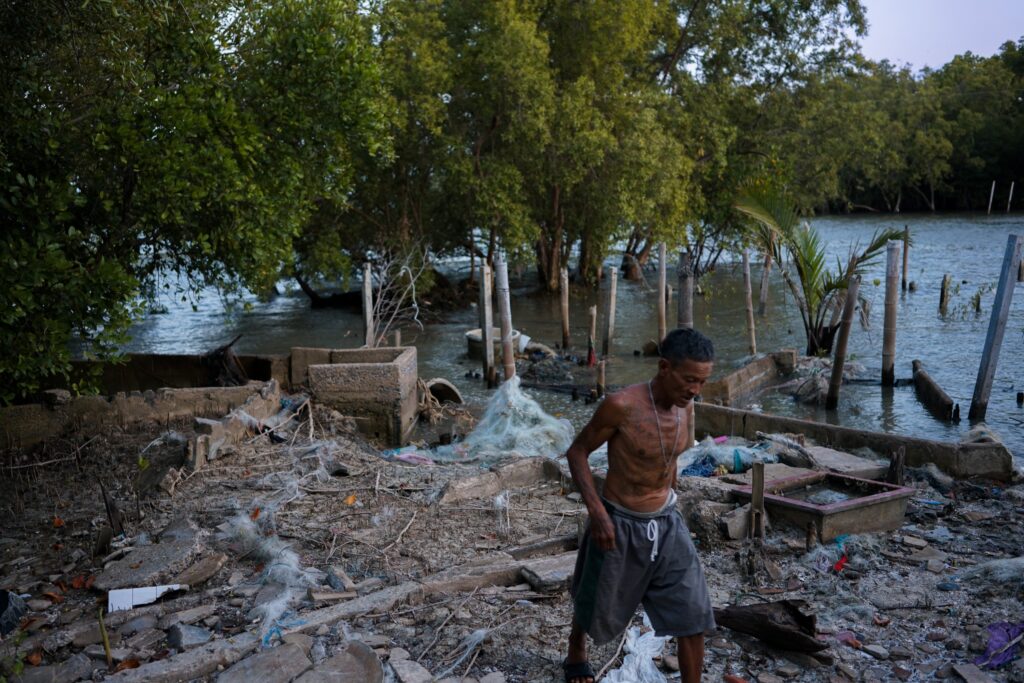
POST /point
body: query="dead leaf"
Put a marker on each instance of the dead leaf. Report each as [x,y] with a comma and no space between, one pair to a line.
[127,664]
[78,582]
[351,500]
[57,522]
[136,565]
[254,514]
[881,620]
[54,598]
[61,585]
[35,658]
[90,580]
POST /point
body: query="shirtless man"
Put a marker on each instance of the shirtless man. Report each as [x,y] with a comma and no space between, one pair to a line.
[636,547]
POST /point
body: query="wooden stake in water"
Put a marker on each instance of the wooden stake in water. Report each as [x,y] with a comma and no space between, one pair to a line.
[564,283]
[370,335]
[996,328]
[609,321]
[487,322]
[991,196]
[947,280]
[662,276]
[836,381]
[906,253]
[756,526]
[892,269]
[748,300]
[1010,200]
[762,303]
[684,312]
[601,378]
[505,311]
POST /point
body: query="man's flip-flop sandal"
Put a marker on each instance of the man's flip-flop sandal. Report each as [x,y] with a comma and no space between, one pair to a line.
[578,671]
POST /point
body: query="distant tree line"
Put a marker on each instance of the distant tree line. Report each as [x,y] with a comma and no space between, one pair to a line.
[235,142]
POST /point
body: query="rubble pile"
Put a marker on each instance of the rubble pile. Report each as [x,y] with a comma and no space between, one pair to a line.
[301,552]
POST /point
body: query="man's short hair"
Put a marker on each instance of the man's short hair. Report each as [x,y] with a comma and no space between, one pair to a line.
[684,343]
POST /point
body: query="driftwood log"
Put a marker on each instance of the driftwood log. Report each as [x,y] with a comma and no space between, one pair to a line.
[781,624]
[225,368]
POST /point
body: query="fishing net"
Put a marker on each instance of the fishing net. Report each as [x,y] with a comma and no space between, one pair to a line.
[512,424]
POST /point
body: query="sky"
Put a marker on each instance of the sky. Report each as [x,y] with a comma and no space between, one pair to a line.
[931,32]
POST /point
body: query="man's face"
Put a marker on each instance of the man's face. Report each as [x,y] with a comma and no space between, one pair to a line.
[683,381]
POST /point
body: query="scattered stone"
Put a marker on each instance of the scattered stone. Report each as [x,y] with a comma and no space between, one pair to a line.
[409,671]
[575,497]
[937,636]
[117,654]
[304,642]
[898,652]
[140,623]
[339,580]
[70,616]
[149,565]
[944,671]
[935,566]
[398,653]
[768,678]
[902,673]
[145,640]
[848,671]
[185,637]
[671,662]
[202,570]
[188,616]
[356,662]
[274,665]
[971,673]
[38,604]
[915,542]
[550,574]
[493,677]
[927,648]
[876,651]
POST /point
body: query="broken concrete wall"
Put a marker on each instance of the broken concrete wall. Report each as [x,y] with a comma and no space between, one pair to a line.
[750,379]
[26,425]
[990,460]
[377,387]
[150,371]
[212,435]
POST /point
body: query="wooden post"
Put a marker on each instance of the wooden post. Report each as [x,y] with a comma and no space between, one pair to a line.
[609,321]
[1020,272]
[906,252]
[747,294]
[564,282]
[668,297]
[505,311]
[662,275]
[991,196]
[600,378]
[398,337]
[487,322]
[684,312]
[947,280]
[836,381]
[889,331]
[762,304]
[996,328]
[756,526]
[1010,200]
[370,336]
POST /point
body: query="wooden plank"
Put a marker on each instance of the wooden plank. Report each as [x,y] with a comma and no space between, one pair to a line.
[996,328]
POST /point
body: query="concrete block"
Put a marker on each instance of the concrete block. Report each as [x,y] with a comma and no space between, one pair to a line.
[773,471]
[377,386]
[302,358]
[848,464]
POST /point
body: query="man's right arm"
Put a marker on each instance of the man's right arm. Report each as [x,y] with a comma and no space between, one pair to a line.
[599,430]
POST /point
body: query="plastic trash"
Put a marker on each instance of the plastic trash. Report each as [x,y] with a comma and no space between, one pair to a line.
[704,458]
[1003,640]
[12,609]
[638,665]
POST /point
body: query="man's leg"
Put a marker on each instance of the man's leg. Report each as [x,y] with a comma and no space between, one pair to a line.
[690,650]
[578,650]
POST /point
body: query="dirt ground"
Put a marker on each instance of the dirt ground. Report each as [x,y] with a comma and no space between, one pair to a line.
[905,605]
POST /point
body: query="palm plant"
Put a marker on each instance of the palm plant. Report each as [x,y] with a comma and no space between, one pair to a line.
[818,291]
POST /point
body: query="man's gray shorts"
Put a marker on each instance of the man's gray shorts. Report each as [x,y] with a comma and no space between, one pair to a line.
[608,586]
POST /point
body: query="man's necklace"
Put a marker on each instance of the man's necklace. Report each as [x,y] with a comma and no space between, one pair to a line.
[661,442]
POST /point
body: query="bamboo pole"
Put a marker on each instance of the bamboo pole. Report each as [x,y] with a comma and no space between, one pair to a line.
[889,330]
[487,322]
[662,276]
[609,321]
[947,280]
[684,312]
[748,301]
[836,381]
[1010,200]
[762,303]
[906,253]
[996,328]
[370,334]
[564,282]
[505,312]
[991,196]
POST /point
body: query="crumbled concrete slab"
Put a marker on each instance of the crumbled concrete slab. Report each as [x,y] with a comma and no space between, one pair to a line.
[409,671]
[148,565]
[274,665]
[550,574]
[188,616]
[357,662]
[735,524]
[519,473]
[202,661]
[773,471]
[847,463]
[185,637]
